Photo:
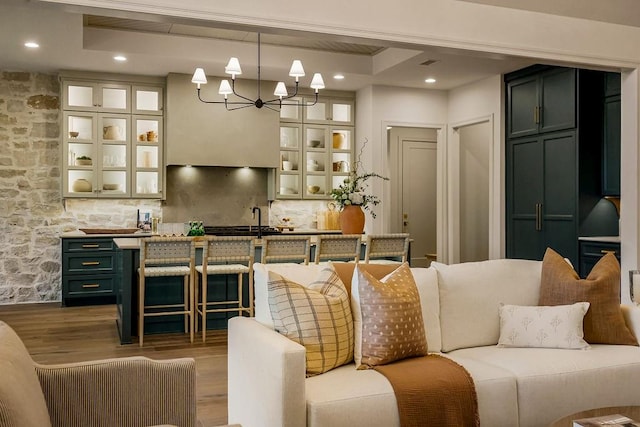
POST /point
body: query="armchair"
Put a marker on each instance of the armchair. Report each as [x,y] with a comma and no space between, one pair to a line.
[129,391]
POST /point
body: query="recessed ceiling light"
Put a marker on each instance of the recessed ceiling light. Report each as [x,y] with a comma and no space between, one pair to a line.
[31,45]
[430,80]
[338,76]
[120,58]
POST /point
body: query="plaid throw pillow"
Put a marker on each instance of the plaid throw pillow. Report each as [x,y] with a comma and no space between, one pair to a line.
[317,316]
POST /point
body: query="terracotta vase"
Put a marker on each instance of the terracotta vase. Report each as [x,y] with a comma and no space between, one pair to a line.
[352,220]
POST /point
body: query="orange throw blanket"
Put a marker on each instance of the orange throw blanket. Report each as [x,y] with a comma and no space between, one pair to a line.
[432,391]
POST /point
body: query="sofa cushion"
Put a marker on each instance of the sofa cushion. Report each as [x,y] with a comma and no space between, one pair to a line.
[604,322]
[470,294]
[557,326]
[22,402]
[317,317]
[554,383]
[345,396]
[387,318]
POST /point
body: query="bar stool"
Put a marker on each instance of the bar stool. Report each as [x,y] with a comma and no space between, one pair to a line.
[224,255]
[387,245]
[285,248]
[338,247]
[167,257]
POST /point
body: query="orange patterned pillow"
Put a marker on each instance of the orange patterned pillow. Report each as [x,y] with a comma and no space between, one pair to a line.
[387,318]
[604,322]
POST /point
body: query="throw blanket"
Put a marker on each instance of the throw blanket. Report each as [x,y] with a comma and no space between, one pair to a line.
[432,391]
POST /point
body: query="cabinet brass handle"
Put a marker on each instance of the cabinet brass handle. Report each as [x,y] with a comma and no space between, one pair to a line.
[538,216]
[91,263]
[91,246]
[605,251]
[90,285]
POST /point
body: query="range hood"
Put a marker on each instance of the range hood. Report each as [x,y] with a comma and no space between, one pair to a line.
[201,134]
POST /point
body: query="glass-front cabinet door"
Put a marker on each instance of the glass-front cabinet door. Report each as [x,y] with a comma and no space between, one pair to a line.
[341,154]
[113,155]
[290,169]
[79,154]
[148,100]
[316,160]
[147,152]
[89,96]
[330,111]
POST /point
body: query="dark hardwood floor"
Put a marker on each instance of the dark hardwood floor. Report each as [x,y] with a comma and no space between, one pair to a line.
[54,334]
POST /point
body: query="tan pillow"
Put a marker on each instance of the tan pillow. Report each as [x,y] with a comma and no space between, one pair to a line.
[560,285]
[387,317]
[317,316]
[345,271]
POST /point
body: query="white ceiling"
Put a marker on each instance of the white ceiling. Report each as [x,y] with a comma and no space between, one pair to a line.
[73,39]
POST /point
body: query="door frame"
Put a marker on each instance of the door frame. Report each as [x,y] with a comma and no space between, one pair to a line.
[453,194]
[392,218]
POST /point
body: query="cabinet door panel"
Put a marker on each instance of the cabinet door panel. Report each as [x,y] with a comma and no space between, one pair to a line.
[611,152]
[522,102]
[524,193]
[524,241]
[526,173]
[560,235]
[558,100]
[560,175]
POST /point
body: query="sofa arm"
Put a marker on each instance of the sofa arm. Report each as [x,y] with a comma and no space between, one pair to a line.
[631,313]
[266,371]
[129,391]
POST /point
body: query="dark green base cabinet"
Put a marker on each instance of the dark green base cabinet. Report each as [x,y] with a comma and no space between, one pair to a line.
[166,290]
[592,251]
[88,271]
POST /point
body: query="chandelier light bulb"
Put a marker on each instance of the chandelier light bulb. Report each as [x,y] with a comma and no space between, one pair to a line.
[199,77]
[296,69]
[233,68]
[225,88]
[281,90]
[317,82]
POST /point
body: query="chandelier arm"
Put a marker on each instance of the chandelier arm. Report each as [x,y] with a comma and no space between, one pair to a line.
[277,110]
[315,101]
[242,105]
[233,88]
[284,98]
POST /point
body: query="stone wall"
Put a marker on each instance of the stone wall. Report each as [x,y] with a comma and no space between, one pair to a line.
[32,212]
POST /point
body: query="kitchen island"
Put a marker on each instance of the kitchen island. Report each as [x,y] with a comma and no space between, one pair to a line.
[168,290]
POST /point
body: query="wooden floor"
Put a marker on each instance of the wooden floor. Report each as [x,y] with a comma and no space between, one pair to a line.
[53,334]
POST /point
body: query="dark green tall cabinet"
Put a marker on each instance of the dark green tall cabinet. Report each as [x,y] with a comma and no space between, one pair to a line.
[553,158]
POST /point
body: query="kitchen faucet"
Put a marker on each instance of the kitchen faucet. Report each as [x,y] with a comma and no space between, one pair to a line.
[253,213]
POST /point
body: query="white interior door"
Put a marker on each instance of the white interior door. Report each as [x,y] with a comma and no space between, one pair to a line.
[419,191]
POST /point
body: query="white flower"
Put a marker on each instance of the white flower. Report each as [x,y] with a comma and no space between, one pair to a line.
[356,198]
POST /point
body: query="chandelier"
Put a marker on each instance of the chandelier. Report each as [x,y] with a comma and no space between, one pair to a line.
[233,68]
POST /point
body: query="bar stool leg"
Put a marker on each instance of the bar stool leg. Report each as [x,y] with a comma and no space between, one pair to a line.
[250,292]
[141,285]
[204,298]
[192,310]
[240,302]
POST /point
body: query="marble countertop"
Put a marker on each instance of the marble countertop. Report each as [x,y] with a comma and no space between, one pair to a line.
[605,239]
[78,234]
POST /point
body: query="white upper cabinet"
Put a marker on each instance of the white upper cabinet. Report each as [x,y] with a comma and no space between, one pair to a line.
[91,96]
[330,111]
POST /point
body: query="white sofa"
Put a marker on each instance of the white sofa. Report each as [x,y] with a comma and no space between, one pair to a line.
[516,387]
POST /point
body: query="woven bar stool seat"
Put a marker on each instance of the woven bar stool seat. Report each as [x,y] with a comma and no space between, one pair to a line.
[338,247]
[395,245]
[285,249]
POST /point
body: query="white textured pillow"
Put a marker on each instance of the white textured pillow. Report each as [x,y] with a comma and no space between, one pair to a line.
[558,326]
